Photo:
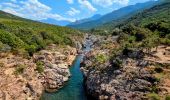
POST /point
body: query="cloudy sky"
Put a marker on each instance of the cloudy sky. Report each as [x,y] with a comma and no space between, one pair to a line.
[62,9]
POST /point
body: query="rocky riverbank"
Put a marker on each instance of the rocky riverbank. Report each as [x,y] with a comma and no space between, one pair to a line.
[127,75]
[26,78]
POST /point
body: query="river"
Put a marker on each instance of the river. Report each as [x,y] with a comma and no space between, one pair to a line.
[74,89]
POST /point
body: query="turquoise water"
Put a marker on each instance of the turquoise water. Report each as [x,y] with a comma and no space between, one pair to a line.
[73,90]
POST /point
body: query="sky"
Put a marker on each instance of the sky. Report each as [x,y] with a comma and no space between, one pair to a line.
[69,10]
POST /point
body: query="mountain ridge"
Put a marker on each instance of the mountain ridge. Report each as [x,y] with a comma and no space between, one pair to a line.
[56,22]
[114,15]
[94,17]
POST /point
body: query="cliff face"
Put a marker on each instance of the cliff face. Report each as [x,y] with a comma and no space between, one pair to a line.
[56,66]
[23,78]
[131,81]
[128,75]
[18,77]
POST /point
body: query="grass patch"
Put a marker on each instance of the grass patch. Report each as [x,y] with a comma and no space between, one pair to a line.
[19,69]
[167,97]
[153,96]
[101,58]
[159,76]
[40,67]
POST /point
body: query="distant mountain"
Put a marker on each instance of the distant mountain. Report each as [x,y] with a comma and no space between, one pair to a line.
[156,15]
[117,14]
[55,22]
[94,17]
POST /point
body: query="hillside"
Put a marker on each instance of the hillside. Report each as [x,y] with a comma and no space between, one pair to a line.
[159,13]
[133,61]
[155,14]
[34,57]
[115,15]
[150,27]
[23,34]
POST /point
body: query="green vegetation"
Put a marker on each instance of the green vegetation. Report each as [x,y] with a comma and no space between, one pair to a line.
[167,97]
[101,58]
[139,38]
[146,30]
[18,33]
[19,69]
[153,96]
[142,18]
[40,67]
[113,17]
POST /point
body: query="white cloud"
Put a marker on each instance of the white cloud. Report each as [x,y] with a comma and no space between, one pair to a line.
[12,11]
[88,5]
[8,4]
[70,1]
[106,3]
[73,12]
[32,9]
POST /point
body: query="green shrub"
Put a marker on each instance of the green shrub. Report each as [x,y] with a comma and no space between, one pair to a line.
[31,49]
[167,97]
[155,89]
[19,69]
[32,36]
[11,40]
[116,31]
[40,67]
[168,36]
[158,69]
[165,41]
[101,58]
[38,42]
[153,96]
[117,63]
[1,45]
[44,35]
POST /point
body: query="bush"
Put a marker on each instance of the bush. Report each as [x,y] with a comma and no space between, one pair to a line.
[11,40]
[31,49]
[19,69]
[167,97]
[44,35]
[101,58]
[153,96]
[117,63]
[33,36]
[38,42]
[1,45]
[168,36]
[155,89]
[165,41]
[40,67]
[5,48]
[116,31]
[158,69]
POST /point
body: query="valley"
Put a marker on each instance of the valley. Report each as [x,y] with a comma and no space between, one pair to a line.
[123,55]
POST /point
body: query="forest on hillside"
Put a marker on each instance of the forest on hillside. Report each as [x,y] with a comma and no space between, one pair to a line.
[23,35]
